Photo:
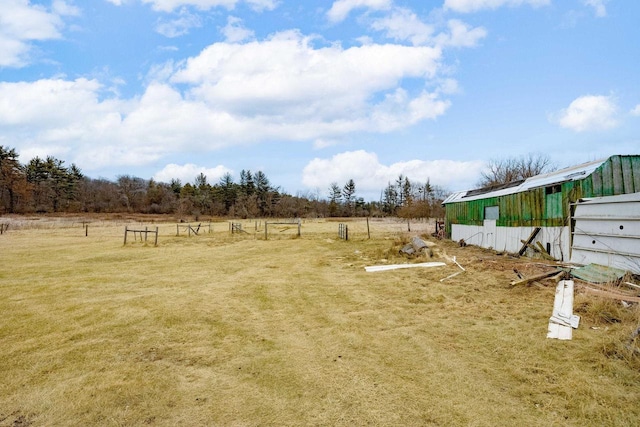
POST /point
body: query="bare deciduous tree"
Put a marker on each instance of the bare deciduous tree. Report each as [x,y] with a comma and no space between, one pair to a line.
[510,169]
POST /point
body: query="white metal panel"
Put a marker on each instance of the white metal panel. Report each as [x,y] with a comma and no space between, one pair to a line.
[490,233]
[612,226]
[509,238]
[607,232]
[472,234]
[562,309]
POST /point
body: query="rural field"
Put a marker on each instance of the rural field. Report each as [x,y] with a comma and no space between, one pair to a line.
[229,329]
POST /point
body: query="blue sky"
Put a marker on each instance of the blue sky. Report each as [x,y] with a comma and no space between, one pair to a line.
[314,92]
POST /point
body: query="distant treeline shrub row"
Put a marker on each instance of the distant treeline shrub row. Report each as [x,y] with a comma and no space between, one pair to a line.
[49,186]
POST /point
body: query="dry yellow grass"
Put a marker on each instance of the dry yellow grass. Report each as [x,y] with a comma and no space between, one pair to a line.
[238,331]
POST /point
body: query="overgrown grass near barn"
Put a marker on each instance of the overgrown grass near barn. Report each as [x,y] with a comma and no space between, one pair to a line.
[222,329]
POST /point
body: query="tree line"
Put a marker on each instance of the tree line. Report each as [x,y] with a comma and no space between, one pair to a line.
[50,186]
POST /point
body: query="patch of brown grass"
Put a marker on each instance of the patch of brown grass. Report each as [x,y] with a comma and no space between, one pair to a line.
[223,329]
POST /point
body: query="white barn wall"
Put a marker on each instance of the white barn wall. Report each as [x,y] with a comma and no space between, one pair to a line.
[508,239]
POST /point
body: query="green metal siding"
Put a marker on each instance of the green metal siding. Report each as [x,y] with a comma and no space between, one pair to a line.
[617,175]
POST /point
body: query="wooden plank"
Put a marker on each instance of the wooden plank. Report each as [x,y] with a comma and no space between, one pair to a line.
[533,235]
[529,245]
[624,293]
[544,252]
[534,278]
[608,294]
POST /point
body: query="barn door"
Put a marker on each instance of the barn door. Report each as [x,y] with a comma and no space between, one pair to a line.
[490,233]
[491,215]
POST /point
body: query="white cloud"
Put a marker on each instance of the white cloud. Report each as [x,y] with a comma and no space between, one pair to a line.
[589,112]
[461,35]
[466,6]
[235,32]
[64,8]
[341,8]
[321,143]
[635,111]
[282,89]
[370,175]
[598,7]
[260,5]
[305,88]
[179,26]
[403,24]
[22,23]
[188,172]
[171,5]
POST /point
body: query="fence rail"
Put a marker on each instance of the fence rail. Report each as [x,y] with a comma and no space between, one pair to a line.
[146,232]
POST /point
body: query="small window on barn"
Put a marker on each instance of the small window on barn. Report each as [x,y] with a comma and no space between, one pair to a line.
[553,189]
[491,212]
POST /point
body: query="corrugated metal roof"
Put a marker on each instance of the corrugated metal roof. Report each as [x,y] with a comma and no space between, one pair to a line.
[573,173]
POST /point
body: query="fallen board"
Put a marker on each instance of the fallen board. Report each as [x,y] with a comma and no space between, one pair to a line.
[563,311]
[375,268]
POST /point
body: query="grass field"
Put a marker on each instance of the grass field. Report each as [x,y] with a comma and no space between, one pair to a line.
[236,330]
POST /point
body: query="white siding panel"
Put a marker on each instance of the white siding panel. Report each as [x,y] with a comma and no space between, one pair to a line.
[509,238]
[607,232]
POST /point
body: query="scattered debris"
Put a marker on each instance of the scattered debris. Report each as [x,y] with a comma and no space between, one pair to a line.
[454,274]
[376,268]
[607,292]
[526,243]
[632,285]
[539,249]
[544,252]
[450,276]
[562,320]
[534,278]
[461,268]
[595,273]
[418,247]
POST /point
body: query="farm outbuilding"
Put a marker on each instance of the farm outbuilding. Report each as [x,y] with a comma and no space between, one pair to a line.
[588,213]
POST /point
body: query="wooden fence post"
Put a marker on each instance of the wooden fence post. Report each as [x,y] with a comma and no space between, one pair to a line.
[126,229]
[156,242]
[265,231]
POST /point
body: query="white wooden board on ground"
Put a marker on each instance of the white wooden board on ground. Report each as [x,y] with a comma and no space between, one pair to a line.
[562,320]
[375,268]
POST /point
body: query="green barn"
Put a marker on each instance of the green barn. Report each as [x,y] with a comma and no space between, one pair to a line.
[547,209]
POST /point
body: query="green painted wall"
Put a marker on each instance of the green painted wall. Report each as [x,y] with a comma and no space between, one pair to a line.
[542,207]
